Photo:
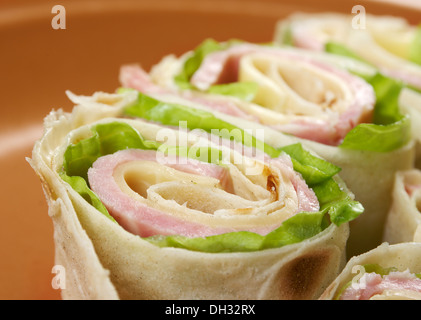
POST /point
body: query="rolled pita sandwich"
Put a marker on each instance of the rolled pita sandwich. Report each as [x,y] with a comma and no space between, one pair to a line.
[403,222]
[147,211]
[312,97]
[389,44]
[388,272]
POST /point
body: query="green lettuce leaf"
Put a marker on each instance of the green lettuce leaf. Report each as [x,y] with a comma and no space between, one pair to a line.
[415,48]
[313,169]
[287,37]
[336,202]
[241,241]
[390,129]
[299,227]
[387,110]
[242,90]
[80,186]
[378,138]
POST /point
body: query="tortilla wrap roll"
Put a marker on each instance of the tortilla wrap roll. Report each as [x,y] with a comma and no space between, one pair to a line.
[403,222]
[205,228]
[368,153]
[388,272]
[389,44]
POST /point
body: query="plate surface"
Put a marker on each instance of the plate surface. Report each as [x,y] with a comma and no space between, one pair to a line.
[38,64]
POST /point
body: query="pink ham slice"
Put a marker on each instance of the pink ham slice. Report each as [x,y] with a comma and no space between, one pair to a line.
[410,79]
[133,76]
[375,284]
[138,218]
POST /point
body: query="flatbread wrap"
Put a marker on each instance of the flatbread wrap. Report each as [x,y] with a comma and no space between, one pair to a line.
[312,97]
[388,272]
[138,215]
[404,219]
[390,43]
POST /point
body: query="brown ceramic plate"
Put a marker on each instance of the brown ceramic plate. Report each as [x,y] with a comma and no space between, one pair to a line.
[38,63]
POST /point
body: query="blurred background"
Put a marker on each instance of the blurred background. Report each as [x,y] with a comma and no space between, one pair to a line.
[39,63]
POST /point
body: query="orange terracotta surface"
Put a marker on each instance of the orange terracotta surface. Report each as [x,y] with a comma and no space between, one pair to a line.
[38,63]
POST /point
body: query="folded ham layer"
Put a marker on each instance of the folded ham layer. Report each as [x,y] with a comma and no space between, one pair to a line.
[395,284]
[149,195]
[384,41]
